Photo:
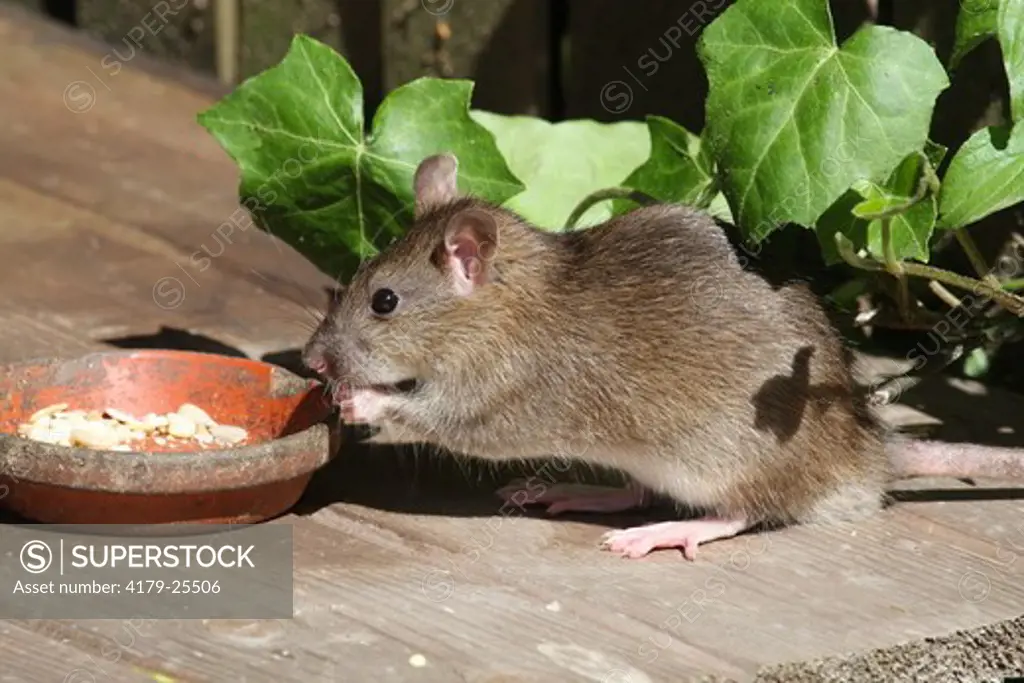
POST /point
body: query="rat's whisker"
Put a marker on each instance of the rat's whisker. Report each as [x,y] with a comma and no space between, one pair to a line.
[291,316]
[289,278]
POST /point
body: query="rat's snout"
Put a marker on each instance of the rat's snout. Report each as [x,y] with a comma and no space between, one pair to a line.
[343,356]
[314,357]
[320,359]
[328,354]
[321,356]
[325,362]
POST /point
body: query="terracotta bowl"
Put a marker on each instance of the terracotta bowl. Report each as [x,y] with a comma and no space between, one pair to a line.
[285,416]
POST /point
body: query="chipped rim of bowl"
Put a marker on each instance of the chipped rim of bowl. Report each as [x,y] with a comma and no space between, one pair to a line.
[162,472]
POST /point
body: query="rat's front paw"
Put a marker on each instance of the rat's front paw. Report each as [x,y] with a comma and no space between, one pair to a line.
[365,406]
[391,434]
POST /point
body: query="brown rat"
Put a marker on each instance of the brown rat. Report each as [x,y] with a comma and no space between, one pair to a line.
[640,344]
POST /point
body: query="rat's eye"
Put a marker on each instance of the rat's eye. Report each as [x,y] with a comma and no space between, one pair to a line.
[384,301]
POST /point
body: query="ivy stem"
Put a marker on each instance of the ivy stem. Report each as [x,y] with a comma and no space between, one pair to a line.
[1012,303]
[895,268]
[947,296]
[849,254]
[929,174]
[593,198]
[706,196]
[974,256]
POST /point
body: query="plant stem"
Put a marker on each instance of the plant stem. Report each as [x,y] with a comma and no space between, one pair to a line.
[928,174]
[1014,284]
[948,297]
[846,250]
[974,256]
[603,195]
[895,386]
[895,268]
[1014,304]
[706,196]
[1010,302]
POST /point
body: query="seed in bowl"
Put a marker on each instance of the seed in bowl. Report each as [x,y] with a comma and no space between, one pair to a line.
[114,429]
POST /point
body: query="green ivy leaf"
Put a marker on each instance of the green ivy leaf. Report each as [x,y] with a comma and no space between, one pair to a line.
[911,230]
[1011,43]
[795,120]
[676,171]
[879,202]
[312,177]
[975,23]
[719,208]
[986,175]
[561,163]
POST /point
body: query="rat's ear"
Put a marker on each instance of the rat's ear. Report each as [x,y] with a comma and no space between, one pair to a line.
[436,182]
[470,245]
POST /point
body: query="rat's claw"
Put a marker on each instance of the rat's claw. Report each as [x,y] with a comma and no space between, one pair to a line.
[637,542]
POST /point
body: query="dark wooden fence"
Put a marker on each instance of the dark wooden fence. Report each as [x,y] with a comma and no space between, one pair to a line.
[601,59]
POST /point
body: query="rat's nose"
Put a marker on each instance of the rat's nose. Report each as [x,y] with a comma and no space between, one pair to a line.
[314,358]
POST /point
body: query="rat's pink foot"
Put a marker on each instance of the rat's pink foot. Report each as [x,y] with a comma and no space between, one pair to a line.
[364,406]
[639,541]
[578,497]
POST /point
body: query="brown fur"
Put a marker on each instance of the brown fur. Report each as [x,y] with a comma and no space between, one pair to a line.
[640,344]
[596,343]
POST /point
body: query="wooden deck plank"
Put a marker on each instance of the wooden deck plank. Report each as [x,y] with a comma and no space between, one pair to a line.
[798,576]
[37,334]
[123,96]
[157,190]
[785,583]
[395,555]
[105,279]
[24,660]
[133,156]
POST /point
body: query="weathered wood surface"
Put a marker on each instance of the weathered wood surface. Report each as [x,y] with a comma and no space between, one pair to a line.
[396,555]
[179,31]
[504,46]
[387,42]
[267,28]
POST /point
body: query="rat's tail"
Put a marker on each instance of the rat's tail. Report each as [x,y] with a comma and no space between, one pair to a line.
[920,458]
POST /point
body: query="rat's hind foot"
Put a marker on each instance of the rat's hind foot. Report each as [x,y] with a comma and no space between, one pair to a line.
[639,541]
[574,497]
